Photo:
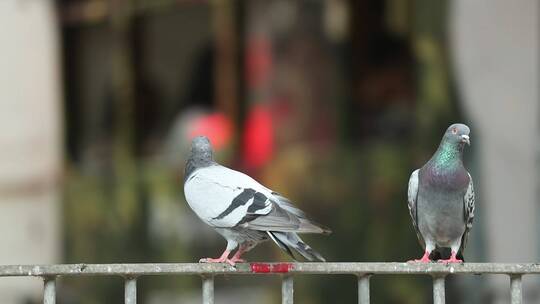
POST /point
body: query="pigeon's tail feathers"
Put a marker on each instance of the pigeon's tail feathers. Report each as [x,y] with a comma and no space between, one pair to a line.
[290,240]
[309,226]
[321,229]
[282,245]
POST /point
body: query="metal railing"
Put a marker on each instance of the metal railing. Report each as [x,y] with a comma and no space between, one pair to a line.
[130,273]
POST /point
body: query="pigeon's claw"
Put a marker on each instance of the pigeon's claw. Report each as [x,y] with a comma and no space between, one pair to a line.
[219,260]
[230,262]
[452,259]
[424,259]
[222,259]
[237,260]
[211,260]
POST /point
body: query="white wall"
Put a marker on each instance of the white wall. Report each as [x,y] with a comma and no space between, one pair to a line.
[496,54]
[30,141]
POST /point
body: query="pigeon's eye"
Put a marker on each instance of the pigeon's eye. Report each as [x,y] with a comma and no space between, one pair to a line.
[454,131]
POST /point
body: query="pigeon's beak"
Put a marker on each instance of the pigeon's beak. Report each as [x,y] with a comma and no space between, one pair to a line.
[466,139]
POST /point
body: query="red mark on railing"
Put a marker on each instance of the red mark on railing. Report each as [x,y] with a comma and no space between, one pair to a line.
[271,268]
[282,267]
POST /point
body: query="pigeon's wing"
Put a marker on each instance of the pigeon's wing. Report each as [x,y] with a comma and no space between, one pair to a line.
[287,205]
[412,195]
[468,201]
[282,219]
[222,197]
[226,198]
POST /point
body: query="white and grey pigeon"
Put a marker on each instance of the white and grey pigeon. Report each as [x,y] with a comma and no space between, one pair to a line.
[441,198]
[242,210]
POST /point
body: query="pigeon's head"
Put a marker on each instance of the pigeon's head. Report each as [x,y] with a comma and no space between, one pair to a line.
[201,148]
[458,134]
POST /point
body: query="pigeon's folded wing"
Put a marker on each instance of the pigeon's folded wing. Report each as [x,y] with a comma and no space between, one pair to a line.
[279,219]
[412,195]
[223,197]
[468,201]
[286,204]
[308,225]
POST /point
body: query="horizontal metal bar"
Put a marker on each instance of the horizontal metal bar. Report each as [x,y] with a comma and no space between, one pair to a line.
[264,268]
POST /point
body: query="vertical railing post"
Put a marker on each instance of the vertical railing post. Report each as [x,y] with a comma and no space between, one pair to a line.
[49,290]
[363,289]
[130,290]
[516,289]
[208,289]
[438,289]
[287,289]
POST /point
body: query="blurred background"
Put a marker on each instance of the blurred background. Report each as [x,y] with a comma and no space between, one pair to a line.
[331,102]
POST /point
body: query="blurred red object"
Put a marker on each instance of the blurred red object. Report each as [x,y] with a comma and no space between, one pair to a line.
[216,126]
[258,139]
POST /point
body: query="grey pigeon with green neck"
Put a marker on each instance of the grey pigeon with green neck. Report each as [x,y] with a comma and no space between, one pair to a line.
[441,197]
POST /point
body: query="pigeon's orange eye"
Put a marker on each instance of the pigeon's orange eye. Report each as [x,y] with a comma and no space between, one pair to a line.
[454,131]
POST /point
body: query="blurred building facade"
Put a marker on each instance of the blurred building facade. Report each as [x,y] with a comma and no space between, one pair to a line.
[31,141]
[496,55]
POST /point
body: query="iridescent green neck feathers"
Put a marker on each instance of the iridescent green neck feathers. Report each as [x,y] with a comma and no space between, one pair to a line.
[448,155]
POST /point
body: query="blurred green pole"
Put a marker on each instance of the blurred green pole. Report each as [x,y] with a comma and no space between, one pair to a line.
[123,93]
[433,73]
[228,31]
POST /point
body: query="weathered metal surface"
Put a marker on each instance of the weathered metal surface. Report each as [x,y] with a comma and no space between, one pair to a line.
[515,289]
[208,289]
[363,289]
[246,268]
[363,270]
[439,296]
[287,289]
[49,290]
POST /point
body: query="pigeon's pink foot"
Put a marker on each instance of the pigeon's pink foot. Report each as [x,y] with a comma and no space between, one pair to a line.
[236,257]
[212,260]
[237,260]
[424,259]
[224,258]
[452,259]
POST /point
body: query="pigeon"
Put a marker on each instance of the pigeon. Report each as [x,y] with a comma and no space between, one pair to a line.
[441,198]
[242,210]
